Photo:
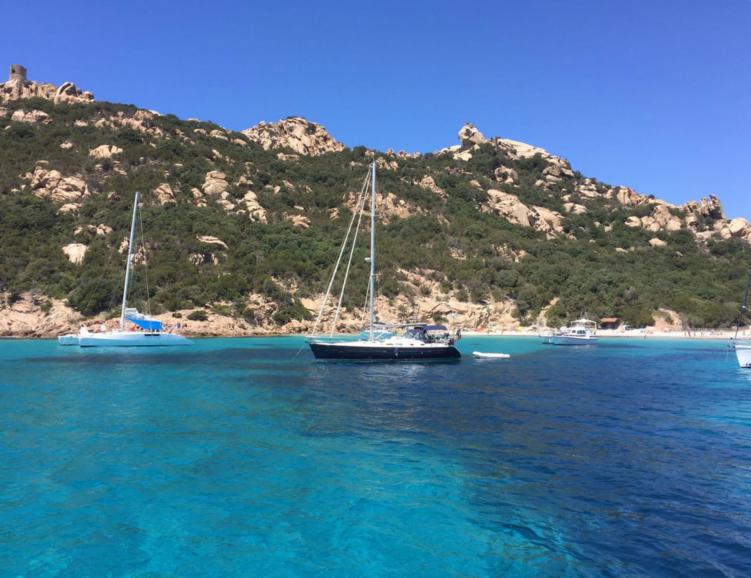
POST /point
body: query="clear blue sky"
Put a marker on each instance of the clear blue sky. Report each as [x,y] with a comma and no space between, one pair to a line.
[651,94]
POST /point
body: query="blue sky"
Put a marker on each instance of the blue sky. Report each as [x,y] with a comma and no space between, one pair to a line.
[653,95]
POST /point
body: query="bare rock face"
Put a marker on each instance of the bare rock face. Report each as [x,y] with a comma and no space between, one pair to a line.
[295,133]
[575,208]
[655,242]
[738,226]
[164,194]
[587,188]
[469,134]
[210,240]
[299,221]
[18,87]
[51,184]
[660,219]
[506,175]
[508,206]
[511,208]
[215,183]
[75,252]
[105,151]
[388,207]
[27,317]
[633,222]
[141,121]
[254,209]
[428,182]
[31,116]
[208,257]
[707,207]
[629,197]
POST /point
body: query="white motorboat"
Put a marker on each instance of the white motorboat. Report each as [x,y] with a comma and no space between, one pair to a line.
[417,341]
[580,332]
[144,331]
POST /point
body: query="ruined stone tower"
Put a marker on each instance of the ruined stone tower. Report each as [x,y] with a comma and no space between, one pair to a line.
[17,72]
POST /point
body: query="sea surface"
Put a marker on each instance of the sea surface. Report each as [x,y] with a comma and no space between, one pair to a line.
[245,457]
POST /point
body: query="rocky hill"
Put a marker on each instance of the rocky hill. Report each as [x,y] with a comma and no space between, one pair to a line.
[243,227]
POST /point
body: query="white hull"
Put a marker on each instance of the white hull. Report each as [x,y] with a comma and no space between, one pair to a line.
[484,355]
[570,340]
[131,339]
[67,340]
[743,354]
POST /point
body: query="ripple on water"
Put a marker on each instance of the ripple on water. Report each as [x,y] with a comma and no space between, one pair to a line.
[234,458]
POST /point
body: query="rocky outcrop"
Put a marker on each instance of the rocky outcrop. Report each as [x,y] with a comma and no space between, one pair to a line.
[660,219]
[575,208]
[656,242]
[164,194]
[216,185]
[708,207]
[295,133]
[30,116]
[299,221]
[101,230]
[208,257]
[75,252]
[428,182]
[512,209]
[104,151]
[388,207]
[629,197]
[141,121]
[210,240]
[506,175]
[35,315]
[18,89]
[470,135]
[52,185]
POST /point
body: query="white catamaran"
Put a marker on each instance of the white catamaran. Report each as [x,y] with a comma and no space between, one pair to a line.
[144,330]
[416,341]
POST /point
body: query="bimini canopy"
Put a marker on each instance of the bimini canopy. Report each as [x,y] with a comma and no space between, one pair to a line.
[143,322]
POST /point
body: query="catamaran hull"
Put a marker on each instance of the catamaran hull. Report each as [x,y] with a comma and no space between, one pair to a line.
[570,340]
[131,339]
[743,354]
[67,340]
[390,353]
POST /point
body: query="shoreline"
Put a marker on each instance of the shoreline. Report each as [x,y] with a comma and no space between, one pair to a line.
[704,335]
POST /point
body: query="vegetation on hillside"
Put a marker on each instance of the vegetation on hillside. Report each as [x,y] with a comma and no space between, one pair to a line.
[477,255]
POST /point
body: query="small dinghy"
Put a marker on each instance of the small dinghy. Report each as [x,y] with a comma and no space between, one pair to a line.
[484,355]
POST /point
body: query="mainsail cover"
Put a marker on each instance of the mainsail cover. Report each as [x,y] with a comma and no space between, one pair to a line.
[144,322]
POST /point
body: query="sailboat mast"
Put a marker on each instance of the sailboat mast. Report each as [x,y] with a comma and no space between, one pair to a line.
[127,265]
[372,247]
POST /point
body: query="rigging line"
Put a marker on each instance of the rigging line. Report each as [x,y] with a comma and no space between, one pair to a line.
[744,306]
[339,258]
[365,305]
[346,273]
[338,261]
[145,264]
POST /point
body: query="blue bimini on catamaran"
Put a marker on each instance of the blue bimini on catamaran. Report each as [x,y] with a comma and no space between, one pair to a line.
[418,341]
[144,331]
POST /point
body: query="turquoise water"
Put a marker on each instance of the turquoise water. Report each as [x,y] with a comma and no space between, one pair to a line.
[234,458]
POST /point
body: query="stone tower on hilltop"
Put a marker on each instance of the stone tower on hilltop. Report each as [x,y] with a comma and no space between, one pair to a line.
[17,72]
